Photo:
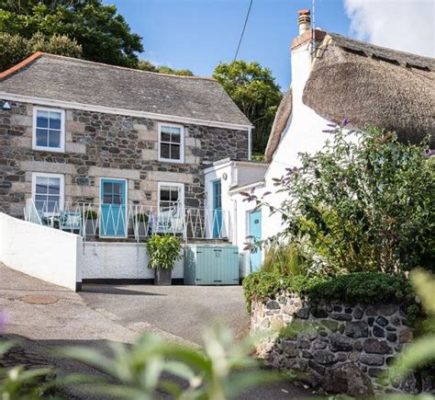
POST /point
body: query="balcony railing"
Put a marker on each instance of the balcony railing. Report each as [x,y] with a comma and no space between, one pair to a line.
[130,221]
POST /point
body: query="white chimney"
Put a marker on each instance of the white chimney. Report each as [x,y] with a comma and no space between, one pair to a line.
[304,21]
[301,54]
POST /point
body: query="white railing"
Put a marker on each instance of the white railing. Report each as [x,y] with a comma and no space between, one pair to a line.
[131,221]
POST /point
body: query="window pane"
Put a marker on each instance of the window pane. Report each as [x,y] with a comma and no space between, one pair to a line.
[165,194]
[42,119]
[41,137]
[175,152]
[164,150]
[175,138]
[165,137]
[52,204]
[174,194]
[107,188]
[55,119]
[41,184]
[54,139]
[117,188]
[116,199]
[54,186]
[107,199]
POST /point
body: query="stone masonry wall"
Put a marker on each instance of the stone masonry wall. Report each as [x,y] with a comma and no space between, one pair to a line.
[104,145]
[340,348]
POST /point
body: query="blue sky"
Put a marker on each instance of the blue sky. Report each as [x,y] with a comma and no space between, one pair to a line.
[198,34]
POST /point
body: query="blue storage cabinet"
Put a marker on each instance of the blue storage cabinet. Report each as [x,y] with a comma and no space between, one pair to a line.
[208,264]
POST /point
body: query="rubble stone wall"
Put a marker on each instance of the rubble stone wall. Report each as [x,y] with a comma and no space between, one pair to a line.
[338,347]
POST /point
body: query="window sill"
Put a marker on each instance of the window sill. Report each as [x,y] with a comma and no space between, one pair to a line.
[49,149]
[171,161]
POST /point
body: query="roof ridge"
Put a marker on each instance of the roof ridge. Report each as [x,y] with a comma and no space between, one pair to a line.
[128,69]
[335,36]
[22,64]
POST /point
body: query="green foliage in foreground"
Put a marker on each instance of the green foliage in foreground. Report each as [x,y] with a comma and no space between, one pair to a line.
[420,353]
[363,287]
[221,371]
[19,384]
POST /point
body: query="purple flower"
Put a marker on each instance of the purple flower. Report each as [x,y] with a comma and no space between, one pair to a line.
[3,320]
[344,122]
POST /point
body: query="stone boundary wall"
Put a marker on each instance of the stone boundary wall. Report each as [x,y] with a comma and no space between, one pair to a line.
[340,348]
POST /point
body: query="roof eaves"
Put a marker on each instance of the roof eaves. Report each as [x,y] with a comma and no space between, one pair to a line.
[23,64]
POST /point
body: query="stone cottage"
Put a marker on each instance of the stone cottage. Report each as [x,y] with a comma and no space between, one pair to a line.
[81,132]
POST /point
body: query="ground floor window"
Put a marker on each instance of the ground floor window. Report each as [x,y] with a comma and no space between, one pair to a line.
[171,196]
[47,192]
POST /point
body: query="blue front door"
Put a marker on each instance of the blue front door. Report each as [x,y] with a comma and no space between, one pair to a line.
[254,220]
[217,209]
[113,200]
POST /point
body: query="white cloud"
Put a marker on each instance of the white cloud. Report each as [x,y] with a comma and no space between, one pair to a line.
[407,25]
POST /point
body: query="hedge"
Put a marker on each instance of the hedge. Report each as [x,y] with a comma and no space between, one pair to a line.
[359,287]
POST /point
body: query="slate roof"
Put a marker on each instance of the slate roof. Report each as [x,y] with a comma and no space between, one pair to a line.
[72,80]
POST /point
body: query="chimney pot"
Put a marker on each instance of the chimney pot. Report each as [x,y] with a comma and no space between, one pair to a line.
[304,20]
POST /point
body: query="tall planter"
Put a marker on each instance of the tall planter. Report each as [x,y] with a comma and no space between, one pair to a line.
[163,277]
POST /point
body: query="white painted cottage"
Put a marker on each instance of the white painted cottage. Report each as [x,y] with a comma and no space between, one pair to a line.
[333,78]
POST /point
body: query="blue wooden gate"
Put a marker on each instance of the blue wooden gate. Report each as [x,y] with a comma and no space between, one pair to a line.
[113,200]
[254,219]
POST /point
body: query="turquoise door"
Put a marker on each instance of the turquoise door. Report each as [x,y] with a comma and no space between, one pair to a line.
[113,200]
[254,219]
[217,209]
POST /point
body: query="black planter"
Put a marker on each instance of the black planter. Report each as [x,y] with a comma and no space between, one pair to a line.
[163,277]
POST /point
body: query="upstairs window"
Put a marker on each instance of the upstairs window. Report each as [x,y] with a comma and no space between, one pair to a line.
[171,143]
[48,129]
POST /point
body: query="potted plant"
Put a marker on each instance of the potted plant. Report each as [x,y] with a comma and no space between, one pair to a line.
[90,223]
[141,227]
[163,252]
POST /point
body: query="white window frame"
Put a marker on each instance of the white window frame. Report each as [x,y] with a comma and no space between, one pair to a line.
[180,187]
[181,127]
[61,189]
[60,149]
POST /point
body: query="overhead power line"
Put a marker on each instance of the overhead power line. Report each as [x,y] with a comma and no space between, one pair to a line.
[243,30]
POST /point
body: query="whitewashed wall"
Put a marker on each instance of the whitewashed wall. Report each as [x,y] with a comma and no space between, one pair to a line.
[101,260]
[42,252]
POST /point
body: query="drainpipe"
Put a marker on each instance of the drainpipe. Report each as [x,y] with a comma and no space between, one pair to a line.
[250,143]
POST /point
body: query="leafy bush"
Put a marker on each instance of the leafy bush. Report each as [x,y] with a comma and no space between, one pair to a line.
[163,251]
[363,287]
[364,203]
[141,217]
[90,215]
[285,259]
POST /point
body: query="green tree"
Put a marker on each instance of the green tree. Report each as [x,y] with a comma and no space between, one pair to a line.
[14,48]
[148,66]
[103,34]
[253,88]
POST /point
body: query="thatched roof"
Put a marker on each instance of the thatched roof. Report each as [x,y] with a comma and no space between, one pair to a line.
[372,85]
[280,122]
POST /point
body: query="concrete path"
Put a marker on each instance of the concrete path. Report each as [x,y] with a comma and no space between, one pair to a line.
[178,310]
